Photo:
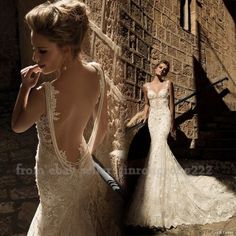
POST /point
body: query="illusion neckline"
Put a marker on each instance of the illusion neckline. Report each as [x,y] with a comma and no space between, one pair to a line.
[157,92]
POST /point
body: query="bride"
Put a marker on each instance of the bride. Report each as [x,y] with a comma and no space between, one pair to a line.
[165,196]
[70,203]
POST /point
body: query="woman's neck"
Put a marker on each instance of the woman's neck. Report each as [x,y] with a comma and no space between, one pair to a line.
[70,68]
[158,78]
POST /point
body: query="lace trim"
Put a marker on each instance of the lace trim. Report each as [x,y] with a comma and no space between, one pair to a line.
[162,89]
[68,164]
[53,115]
[53,104]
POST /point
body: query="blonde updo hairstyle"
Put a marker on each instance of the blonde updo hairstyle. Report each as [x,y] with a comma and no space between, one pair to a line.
[63,22]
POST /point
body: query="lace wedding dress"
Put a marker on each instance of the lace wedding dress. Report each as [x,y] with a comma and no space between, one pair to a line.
[165,195]
[68,191]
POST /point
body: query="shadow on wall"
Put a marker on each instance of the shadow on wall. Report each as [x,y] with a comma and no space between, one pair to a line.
[209,102]
[231,6]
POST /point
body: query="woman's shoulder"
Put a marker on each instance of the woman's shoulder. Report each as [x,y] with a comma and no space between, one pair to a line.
[169,82]
[146,85]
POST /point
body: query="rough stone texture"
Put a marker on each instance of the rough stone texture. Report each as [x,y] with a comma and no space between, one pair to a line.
[198,57]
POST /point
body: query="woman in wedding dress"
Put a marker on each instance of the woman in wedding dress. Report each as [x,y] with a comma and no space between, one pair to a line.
[65,175]
[165,196]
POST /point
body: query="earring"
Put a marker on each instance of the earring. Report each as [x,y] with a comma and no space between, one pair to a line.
[64,68]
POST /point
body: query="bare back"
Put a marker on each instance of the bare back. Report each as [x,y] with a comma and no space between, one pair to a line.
[75,98]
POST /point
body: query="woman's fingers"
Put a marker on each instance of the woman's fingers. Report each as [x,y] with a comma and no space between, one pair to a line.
[30,75]
[30,70]
[34,69]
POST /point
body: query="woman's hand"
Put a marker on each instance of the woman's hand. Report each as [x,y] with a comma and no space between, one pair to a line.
[139,117]
[143,117]
[30,76]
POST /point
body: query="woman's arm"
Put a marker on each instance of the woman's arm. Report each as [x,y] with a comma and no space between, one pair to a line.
[146,106]
[142,115]
[172,109]
[29,104]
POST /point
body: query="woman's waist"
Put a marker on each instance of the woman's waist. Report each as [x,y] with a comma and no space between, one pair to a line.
[159,110]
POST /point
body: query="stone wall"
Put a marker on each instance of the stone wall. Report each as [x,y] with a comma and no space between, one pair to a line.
[218,43]
[199,56]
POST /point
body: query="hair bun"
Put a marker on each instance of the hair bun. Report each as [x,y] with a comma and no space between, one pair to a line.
[64,22]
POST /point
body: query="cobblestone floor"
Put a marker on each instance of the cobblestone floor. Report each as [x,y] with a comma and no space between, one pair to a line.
[226,228]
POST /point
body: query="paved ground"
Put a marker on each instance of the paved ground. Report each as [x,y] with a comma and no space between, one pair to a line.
[227,228]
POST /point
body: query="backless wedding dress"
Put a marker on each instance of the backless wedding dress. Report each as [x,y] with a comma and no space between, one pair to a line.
[67,191]
[165,195]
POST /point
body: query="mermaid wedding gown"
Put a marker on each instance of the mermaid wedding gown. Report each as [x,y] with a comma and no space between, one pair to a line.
[68,191]
[165,195]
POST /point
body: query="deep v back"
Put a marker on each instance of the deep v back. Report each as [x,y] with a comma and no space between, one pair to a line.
[52,116]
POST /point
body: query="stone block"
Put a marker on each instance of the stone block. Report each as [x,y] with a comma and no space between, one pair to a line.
[146,65]
[183,80]
[26,213]
[24,193]
[124,33]
[157,16]
[168,37]
[6,225]
[164,48]
[148,38]
[149,24]
[126,19]
[172,51]
[138,60]
[24,154]
[139,31]
[143,48]
[187,70]
[155,54]
[137,2]
[179,91]
[138,93]
[136,12]
[7,207]
[96,9]
[127,54]
[177,66]
[8,144]
[130,73]
[185,46]
[128,91]
[3,195]
[111,17]
[160,32]
[175,41]
[157,44]
[7,181]
[104,55]
[4,158]
[147,7]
